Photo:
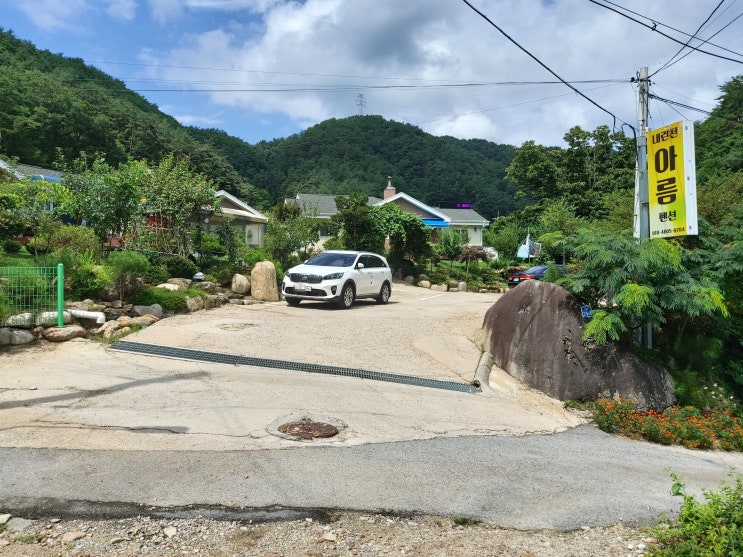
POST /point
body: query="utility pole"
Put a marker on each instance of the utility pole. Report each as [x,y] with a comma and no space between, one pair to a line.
[642,189]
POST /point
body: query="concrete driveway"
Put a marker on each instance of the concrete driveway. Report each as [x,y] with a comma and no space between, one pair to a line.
[83,423]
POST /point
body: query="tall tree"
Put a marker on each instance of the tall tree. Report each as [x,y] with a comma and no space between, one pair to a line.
[358,228]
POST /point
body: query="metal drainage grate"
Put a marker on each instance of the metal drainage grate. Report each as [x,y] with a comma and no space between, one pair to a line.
[307,429]
[219,358]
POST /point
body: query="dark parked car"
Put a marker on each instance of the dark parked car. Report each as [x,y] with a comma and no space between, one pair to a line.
[532,273]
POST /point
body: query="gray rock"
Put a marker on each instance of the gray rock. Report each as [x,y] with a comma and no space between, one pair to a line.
[462,286]
[169,286]
[439,287]
[263,282]
[113,313]
[206,286]
[240,284]
[216,300]
[18,524]
[13,337]
[424,284]
[534,332]
[154,309]
[181,282]
[410,279]
[195,303]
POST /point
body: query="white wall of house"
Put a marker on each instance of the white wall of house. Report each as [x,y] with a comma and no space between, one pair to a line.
[474,233]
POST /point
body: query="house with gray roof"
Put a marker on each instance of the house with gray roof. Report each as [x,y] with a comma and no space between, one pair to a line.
[466,221]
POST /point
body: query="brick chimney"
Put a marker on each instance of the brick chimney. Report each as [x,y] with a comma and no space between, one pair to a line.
[389,191]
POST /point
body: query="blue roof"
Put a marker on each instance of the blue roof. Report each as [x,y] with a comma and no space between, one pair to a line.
[435,223]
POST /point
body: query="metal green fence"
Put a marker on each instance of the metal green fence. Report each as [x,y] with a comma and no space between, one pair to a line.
[32,296]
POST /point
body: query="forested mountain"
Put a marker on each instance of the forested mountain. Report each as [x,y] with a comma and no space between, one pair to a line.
[53,108]
[360,152]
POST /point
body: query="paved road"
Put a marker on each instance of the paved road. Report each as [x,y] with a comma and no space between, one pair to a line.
[89,430]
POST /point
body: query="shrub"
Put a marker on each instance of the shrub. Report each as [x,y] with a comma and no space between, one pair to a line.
[54,236]
[222,273]
[156,274]
[12,246]
[679,425]
[180,267]
[171,301]
[88,279]
[126,266]
[703,529]
[253,256]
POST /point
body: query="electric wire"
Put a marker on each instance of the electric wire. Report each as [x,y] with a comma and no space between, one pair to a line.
[736,18]
[680,105]
[538,61]
[691,38]
[656,23]
[654,28]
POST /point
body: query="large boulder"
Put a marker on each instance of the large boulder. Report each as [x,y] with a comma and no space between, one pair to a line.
[263,285]
[534,333]
[12,337]
[240,284]
[63,334]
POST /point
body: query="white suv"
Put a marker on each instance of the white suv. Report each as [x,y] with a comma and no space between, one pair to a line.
[340,277]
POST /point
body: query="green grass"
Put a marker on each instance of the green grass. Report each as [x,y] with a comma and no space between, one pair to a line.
[20,259]
[26,538]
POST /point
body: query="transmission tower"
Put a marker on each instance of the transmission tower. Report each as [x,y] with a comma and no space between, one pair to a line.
[361,103]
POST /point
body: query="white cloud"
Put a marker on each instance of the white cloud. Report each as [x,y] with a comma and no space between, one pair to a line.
[337,45]
[52,14]
[306,61]
[122,9]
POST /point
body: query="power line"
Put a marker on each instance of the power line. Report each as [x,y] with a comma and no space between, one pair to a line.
[656,23]
[691,38]
[654,28]
[681,105]
[736,18]
[538,61]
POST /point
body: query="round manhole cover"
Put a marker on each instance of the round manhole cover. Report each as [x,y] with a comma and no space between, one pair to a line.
[307,428]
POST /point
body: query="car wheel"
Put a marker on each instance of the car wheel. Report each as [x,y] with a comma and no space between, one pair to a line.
[384,294]
[293,301]
[347,296]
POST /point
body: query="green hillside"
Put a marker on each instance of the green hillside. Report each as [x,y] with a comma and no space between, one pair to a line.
[52,108]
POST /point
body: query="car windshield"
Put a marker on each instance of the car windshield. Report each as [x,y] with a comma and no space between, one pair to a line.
[532,270]
[329,259]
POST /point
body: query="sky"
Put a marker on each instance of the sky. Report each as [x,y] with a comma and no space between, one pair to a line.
[266,69]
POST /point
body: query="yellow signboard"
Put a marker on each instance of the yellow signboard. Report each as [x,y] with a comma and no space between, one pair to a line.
[672,181]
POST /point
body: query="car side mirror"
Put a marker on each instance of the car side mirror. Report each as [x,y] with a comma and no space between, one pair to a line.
[359,265]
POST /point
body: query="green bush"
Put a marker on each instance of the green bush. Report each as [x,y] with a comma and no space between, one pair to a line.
[88,279]
[156,274]
[253,256]
[126,267]
[707,529]
[171,301]
[180,267]
[5,308]
[553,274]
[12,246]
[222,273]
[54,236]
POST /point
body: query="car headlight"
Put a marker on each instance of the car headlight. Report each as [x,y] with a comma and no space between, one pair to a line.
[333,276]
